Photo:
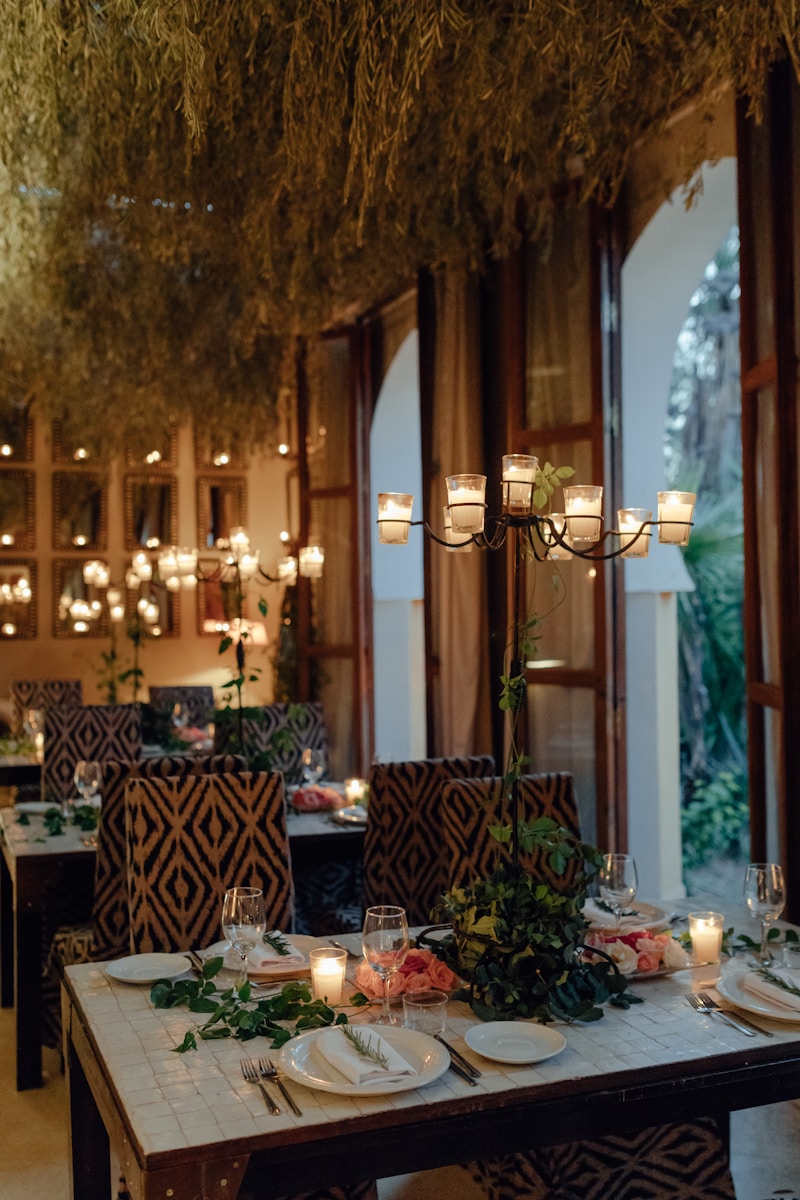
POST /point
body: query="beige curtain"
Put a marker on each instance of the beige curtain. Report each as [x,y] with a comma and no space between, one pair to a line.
[462,692]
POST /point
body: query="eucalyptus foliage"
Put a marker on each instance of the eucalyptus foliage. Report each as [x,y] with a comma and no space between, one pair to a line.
[186,187]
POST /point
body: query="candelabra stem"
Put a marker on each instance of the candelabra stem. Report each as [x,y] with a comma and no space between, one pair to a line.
[518,702]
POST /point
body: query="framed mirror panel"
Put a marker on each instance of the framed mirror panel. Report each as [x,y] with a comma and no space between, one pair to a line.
[151,512]
[217,603]
[79,609]
[18,597]
[158,448]
[221,505]
[80,511]
[70,447]
[16,433]
[218,449]
[161,617]
[17,526]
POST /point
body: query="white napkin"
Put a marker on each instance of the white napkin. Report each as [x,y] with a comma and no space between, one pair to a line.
[337,1050]
[34,806]
[602,919]
[772,993]
[262,959]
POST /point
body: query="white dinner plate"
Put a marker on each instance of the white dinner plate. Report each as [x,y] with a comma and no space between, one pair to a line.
[147,968]
[731,988]
[514,1041]
[300,1060]
[648,917]
[354,814]
[34,806]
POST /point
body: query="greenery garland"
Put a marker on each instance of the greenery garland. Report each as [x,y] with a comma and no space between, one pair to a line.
[184,188]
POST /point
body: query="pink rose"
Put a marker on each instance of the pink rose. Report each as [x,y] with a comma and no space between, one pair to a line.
[414,961]
[370,983]
[646,945]
[648,962]
[417,981]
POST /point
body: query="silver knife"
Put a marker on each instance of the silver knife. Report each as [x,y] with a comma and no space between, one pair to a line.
[457,1069]
[748,1023]
[724,1015]
[464,1063]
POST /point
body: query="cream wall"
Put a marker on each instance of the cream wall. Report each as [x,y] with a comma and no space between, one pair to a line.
[189,658]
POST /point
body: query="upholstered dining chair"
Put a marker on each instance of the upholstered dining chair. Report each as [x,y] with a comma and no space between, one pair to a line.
[188,840]
[403,860]
[470,806]
[279,731]
[41,694]
[95,732]
[107,934]
[196,699]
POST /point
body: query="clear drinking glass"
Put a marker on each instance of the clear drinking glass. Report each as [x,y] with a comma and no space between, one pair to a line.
[88,780]
[313,764]
[618,883]
[385,941]
[765,896]
[244,922]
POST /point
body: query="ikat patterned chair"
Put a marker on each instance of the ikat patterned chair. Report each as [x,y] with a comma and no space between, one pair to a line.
[280,731]
[42,694]
[403,859]
[470,806]
[95,732]
[197,700]
[190,839]
[107,935]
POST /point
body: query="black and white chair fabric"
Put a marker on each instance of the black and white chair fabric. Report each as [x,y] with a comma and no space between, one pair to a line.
[276,733]
[197,701]
[96,733]
[41,694]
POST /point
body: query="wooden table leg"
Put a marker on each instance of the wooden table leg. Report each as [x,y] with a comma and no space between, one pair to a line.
[28,936]
[90,1156]
[6,935]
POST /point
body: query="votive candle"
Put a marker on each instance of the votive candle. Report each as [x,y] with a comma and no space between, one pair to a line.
[583,505]
[519,476]
[327,973]
[675,510]
[705,930]
[394,516]
[466,498]
[633,543]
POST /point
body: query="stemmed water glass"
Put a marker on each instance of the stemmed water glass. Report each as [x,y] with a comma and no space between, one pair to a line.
[313,762]
[244,922]
[88,780]
[765,896]
[618,883]
[385,941]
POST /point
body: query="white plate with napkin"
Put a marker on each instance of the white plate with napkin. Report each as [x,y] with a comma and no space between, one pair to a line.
[263,961]
[324,1059]
[634,917]
[751,992]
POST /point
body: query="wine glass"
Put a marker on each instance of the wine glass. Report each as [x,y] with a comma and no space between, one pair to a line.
[765,896]
[618,883]
[385,942]
[244,922]
[88,780]
[313,762]
[180,716]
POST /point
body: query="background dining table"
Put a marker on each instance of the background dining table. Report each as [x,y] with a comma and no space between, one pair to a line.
[187,1125]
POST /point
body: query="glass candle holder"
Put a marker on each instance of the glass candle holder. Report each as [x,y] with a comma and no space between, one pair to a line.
[583,505]
[633,543]
[675,516]
[354,790]
[705,930]
[456,543]
[394,517]
[519,476]
[327,973]
[311,561]
[466,499]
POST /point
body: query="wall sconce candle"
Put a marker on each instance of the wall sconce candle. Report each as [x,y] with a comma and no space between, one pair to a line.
[466,498]
[394,517]
[675,512]
[519,476]
[630,522]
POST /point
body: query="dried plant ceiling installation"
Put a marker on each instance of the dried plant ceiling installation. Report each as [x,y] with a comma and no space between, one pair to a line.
[185,186]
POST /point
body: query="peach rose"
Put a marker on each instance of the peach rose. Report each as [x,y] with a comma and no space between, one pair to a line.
[370,983]
[647,945]
[648,962]
[441,976]
[417,981]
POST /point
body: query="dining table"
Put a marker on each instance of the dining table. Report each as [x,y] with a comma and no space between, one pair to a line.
[31,860]
[188,1125]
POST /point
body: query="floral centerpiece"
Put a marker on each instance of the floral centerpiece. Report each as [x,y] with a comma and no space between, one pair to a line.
[639,951]
[421,969]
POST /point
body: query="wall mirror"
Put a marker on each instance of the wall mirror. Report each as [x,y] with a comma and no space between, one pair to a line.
[221,505]
[217,603]
[80,519]
[78,610]
[70,446]
[217,449]
[151,512]
[18,599]
[16,434]
[161,619]
[17,530]
[155,448]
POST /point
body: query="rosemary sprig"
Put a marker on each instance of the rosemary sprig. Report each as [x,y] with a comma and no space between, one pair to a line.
[778,981]
[365,1048]
[277,941]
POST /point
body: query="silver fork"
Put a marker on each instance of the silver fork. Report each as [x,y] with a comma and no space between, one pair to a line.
[250,1072]
[270,1071]
[704,1004]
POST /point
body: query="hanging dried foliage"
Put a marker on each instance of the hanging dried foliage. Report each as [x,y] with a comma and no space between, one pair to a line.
[186,184]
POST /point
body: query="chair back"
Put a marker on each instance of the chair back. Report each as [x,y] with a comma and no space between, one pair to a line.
[403,860]
[110,924]
[95,732]
[42,694]
[188,840]
[470,806]
[197,700]
[281,732]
